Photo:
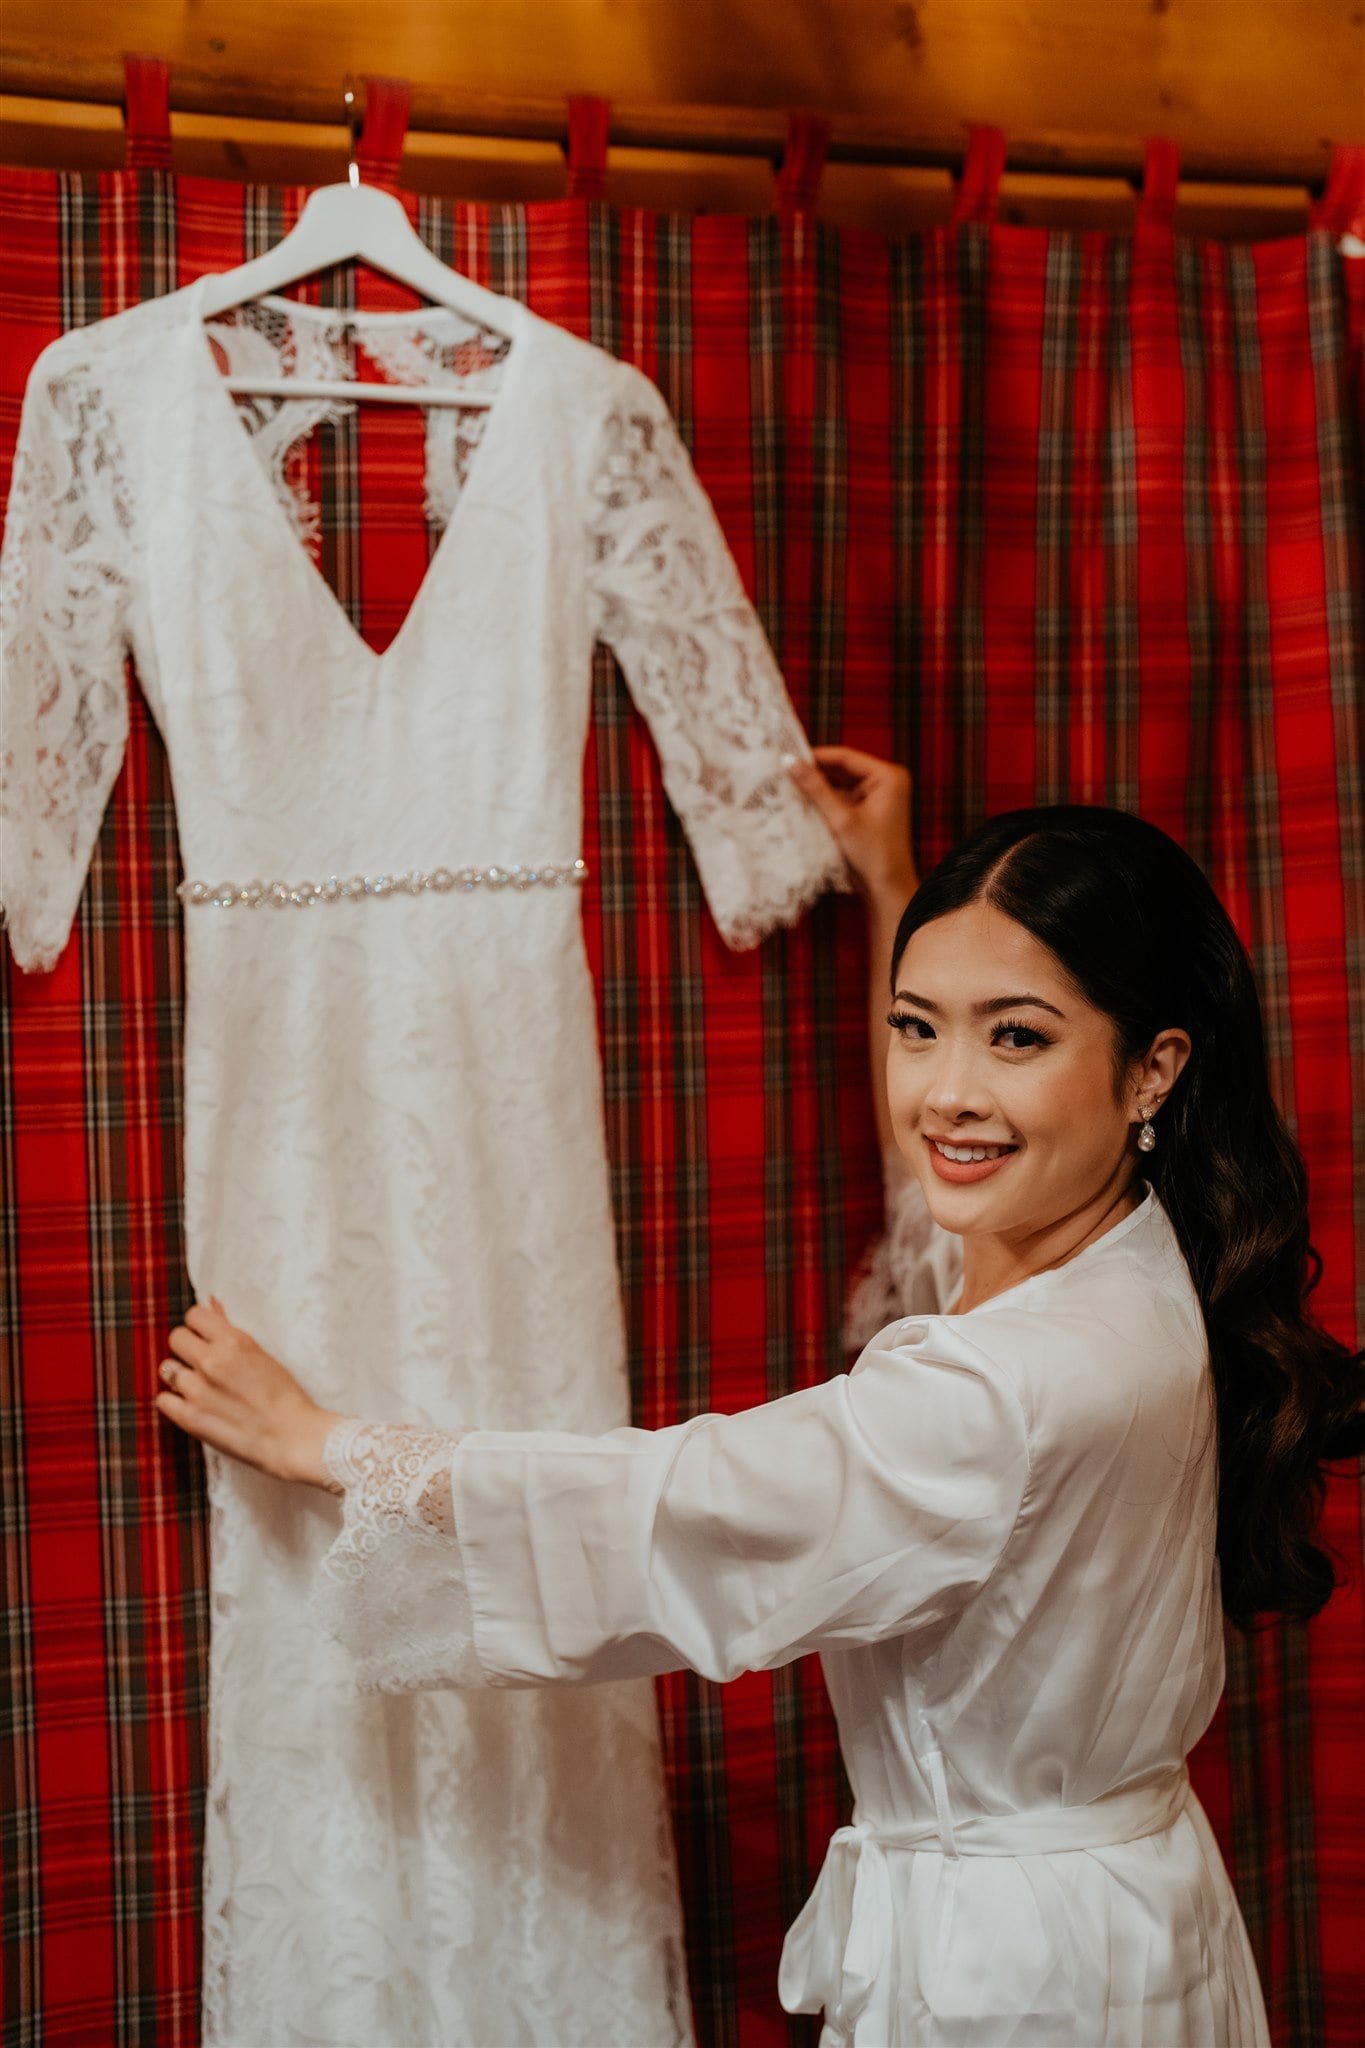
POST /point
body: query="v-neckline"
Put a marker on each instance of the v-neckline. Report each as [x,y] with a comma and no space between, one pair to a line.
[1148,1206]
[521,326]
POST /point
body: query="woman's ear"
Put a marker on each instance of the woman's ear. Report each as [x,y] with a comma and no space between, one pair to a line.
[1159,1072]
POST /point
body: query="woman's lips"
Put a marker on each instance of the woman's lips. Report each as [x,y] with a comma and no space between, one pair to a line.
[961,1173]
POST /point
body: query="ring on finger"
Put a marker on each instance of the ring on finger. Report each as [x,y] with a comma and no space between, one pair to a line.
[170,1372]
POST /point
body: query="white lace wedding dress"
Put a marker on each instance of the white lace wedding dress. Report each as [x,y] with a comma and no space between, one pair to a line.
[395,1172]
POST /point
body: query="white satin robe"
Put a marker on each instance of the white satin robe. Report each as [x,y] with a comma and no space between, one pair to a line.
[997,1531]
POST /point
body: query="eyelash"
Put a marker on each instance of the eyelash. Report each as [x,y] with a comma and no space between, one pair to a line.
[901,1020]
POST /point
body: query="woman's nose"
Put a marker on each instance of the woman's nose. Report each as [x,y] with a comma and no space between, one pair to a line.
[956,1084]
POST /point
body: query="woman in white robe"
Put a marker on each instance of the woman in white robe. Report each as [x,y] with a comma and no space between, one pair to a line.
[999,1531]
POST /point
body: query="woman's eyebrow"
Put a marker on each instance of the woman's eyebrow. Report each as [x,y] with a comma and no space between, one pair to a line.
[903,995]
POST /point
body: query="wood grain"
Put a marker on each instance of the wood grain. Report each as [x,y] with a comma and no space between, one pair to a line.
[1254,91]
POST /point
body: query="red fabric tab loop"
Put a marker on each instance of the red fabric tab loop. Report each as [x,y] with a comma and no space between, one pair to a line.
[1160,180]
[147,113]
[803,163]
[1341,208]
[379,150]
[589,125]
[978,188]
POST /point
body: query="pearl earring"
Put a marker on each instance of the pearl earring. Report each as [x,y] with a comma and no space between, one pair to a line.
[1147,1135]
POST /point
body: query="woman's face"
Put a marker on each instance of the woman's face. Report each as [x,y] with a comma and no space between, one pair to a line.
[992,1045]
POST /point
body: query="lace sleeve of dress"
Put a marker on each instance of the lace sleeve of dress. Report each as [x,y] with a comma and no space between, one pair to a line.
[392,1585]
[64,597]
[670,604]
[913,1268]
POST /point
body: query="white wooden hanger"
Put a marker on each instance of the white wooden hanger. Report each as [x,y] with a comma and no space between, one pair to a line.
[355,222]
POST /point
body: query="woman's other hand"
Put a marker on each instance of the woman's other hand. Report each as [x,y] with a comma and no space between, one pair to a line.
[223,1388]
[865,801]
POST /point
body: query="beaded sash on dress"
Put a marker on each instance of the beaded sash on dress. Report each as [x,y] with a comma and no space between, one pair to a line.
[223,895]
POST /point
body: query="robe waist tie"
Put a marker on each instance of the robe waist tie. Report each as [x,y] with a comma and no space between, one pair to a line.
[838,1951]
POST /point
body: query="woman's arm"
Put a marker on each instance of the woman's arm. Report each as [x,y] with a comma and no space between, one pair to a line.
[865,802]
[872,1504]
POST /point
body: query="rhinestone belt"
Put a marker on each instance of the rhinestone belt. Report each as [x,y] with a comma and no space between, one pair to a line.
[281,895]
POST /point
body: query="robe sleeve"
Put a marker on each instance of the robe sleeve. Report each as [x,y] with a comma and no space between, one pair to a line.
[913,1268]
[874,1505]
[668,600]
[64,600]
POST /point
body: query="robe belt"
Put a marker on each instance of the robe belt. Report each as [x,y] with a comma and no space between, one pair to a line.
[838,1951]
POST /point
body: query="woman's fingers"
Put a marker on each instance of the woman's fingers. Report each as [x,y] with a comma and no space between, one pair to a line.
[197,1421]
[847,757]
[856,766]
[858,780]
[865,801]
[187,1345]
[827,800]
[228,1391]
[205,1408]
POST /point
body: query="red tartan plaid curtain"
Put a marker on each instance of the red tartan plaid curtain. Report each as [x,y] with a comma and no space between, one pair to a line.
[1051,516]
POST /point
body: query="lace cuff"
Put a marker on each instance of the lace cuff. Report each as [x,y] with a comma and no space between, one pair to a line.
[767,860]
[914,1268]
[393,1589]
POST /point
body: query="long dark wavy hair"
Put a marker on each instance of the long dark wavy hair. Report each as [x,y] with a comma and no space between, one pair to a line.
[1136,925]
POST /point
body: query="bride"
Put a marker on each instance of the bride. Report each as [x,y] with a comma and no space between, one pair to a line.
[1089,1425]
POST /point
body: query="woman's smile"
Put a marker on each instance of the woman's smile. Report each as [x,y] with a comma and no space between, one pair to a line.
[962,1171]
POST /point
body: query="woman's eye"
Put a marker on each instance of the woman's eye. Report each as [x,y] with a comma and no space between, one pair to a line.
[1025,1029]
[908,1025]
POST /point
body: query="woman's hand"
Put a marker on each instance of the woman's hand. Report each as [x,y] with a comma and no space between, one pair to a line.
[224,1389]
[865,801]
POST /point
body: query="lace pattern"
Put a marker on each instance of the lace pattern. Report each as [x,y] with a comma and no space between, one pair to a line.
[65,576]
[392,1584]
[394,1472]
[672,607]
[275,337]
[910,1269]
[256,341]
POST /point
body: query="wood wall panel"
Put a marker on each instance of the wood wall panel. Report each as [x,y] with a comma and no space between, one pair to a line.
[1254,91]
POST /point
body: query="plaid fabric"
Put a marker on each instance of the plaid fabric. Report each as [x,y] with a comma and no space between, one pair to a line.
[1052,517]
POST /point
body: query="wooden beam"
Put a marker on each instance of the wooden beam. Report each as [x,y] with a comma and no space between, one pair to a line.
[883,198]
[730,131]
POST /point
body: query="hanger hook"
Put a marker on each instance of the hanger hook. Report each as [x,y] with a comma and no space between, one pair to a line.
[352,167]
